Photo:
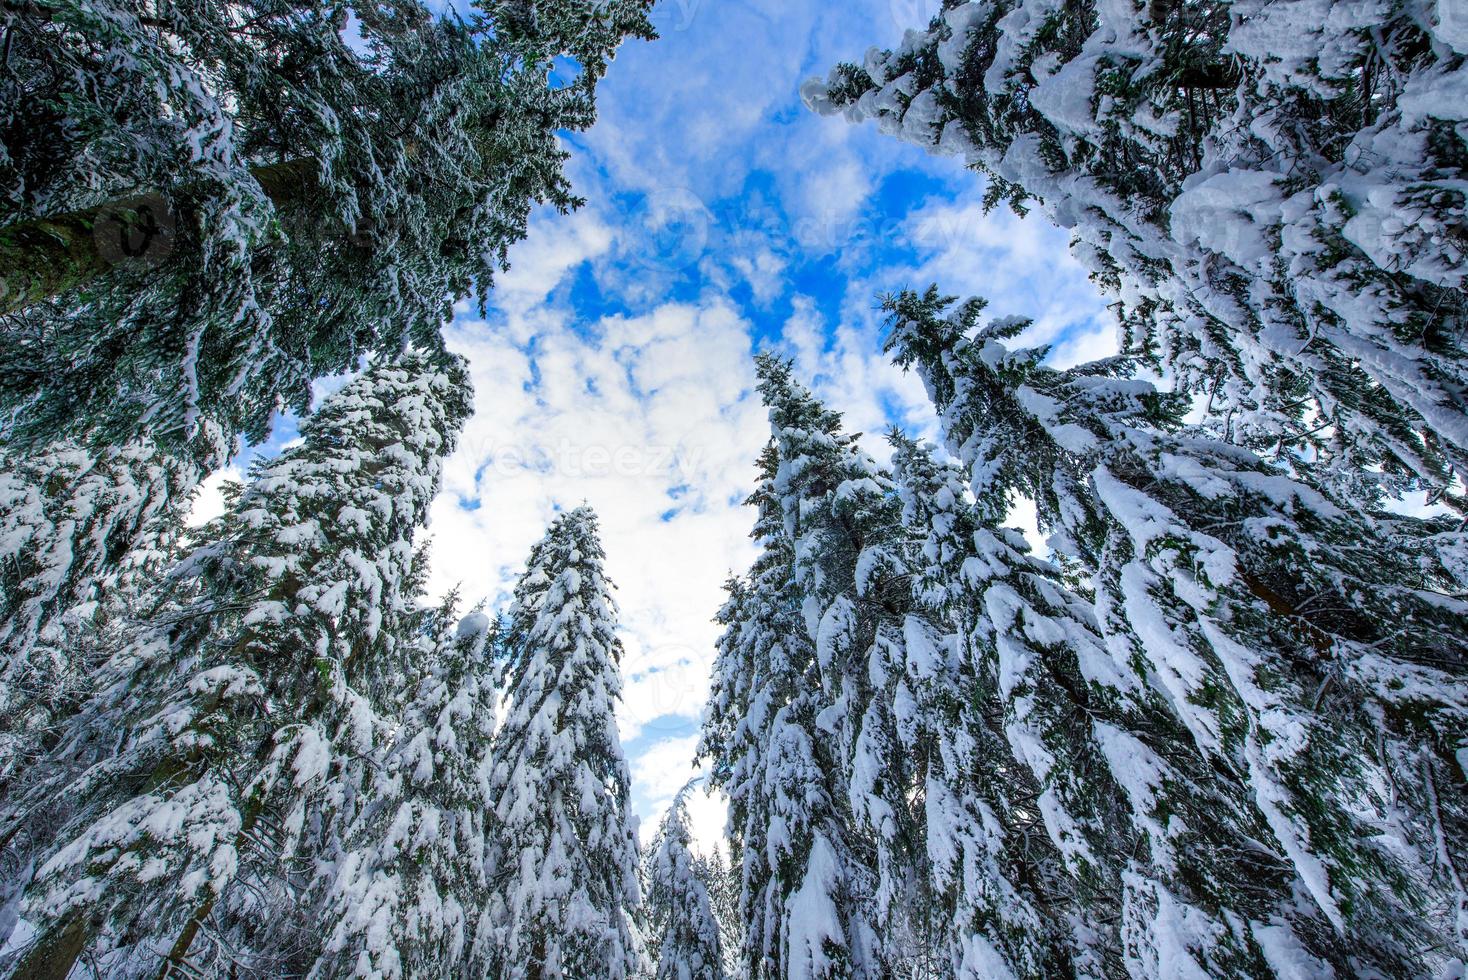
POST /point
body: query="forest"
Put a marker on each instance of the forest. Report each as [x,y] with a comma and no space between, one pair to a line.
[1207,718]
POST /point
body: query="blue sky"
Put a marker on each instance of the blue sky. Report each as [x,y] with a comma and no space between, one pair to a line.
[614,365]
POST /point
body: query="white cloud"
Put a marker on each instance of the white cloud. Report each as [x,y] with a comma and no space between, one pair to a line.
[846,368]
[650,419]
[664,769]
[661,772]
[614,366]
[209,496]
[1021,266]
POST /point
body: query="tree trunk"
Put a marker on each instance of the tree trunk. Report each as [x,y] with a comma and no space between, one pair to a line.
[52,956]
[178,953]
[180,950]
[45,257]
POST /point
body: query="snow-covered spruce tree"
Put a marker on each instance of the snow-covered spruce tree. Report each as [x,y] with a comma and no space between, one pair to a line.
[69,516]
[41,741]
[247,701]
[680,911]
[308,216]
[1272,191]
[843,518]
[1304,659]
[1023,821]
[806,875]
[563,859]
[1130,807]
[59,641]
[326,183]
[407,893]
[723,880]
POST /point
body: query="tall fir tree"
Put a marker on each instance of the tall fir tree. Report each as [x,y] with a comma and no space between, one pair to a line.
[406,894]
[1021,817]
[205,208]
[723,880]
[67,517]
[1236,602]
[1271,191]
[843,518]
[680,909]
[806,875]
[243,709]
[563,864]
[80,532]
[324,184]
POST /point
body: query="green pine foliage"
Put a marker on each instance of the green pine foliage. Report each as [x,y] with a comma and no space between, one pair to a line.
[806,874]
[248,702]
[1239,609]
[334,179]
[406,894]
[1270,191]
[680,912]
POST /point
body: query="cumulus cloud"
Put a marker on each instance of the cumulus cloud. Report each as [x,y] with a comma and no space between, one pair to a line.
[651,419]
[208,500]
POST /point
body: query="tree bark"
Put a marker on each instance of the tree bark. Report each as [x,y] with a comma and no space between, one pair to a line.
[180,950]
[45,257]
[52,956]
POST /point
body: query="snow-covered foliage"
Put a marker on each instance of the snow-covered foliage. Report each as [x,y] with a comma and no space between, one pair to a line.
[1241,616]
[1274,192]
[806,876]
[680,912]
[327,181]
[406,894]
[69,517]
[241,719]
[843,520]
[563,870]
[1015,792]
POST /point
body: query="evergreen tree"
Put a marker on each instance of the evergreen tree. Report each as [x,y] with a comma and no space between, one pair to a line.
[563,863]
[324,182]
[406,895]
[205,207]
[680,909]
[1017,797]
[70,516]
[1270,190]
[806,874]
[1236,605]
[842,516]
[242,711]
[723,881]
